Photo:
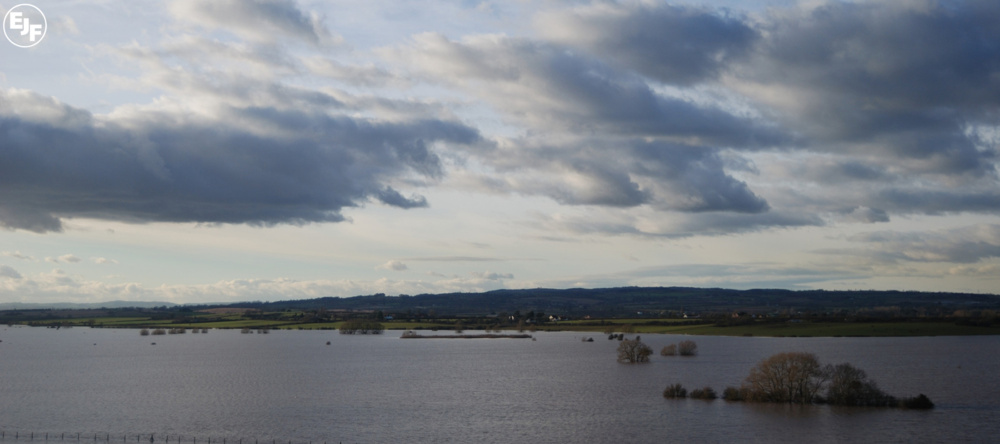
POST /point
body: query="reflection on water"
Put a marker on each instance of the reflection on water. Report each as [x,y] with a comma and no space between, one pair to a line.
[290,385]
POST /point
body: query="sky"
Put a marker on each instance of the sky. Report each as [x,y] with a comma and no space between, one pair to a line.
[199,151]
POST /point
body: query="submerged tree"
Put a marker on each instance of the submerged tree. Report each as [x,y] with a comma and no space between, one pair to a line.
[632,351]
[706,393]
[687,348]
[793,377]
[668,350]
[850,385]
[675,391]
[798,378]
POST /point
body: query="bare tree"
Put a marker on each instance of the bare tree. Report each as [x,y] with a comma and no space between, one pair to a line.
[706,393]
[850,385]
[668,350]
[687,348]
[675,391]
[632,351]
[793,377]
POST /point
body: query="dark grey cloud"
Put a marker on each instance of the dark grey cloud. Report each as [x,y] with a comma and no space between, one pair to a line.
[890,107]
[553,87]
[695,174]
[897,79]
[259,166]
[674,44]
[866,215]
[621,172]
[938,201]
[598,134]
[897,101]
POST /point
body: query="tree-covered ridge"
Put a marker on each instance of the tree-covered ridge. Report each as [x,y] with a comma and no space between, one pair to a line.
[638,301]
[676,310]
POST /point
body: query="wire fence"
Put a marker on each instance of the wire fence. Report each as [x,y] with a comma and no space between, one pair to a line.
[137,438]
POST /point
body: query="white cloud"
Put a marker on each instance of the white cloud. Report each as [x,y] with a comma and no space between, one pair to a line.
[103,260]
[491,276]
[66,258]
[17,255]
[393,265]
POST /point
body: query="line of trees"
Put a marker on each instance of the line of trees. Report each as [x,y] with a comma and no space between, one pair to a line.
[683,348]
[634,351]
[361,326]
[798,378]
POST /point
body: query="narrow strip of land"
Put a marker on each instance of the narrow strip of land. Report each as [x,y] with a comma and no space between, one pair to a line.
[411,335]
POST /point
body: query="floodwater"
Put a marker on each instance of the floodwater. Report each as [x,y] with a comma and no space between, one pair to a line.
[290,386]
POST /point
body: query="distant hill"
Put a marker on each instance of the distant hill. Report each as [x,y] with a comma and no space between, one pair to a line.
[637,301]
[605,302]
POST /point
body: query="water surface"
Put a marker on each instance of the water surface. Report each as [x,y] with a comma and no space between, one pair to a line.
[291,386]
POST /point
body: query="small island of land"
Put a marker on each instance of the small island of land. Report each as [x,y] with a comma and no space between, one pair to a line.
[410,334]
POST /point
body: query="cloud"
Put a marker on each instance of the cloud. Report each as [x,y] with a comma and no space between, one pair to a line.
[584,119]
[17,255]
[103,260]
[66,258]
[270,21]
[58,286]
[906,85]
[364,75]
[393,265]
[253,165]
[682,120]
[835,93]
[548,86]
[966,245]
[8,272]
[674,44]
[455,259]
[737,276]
[492,276]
